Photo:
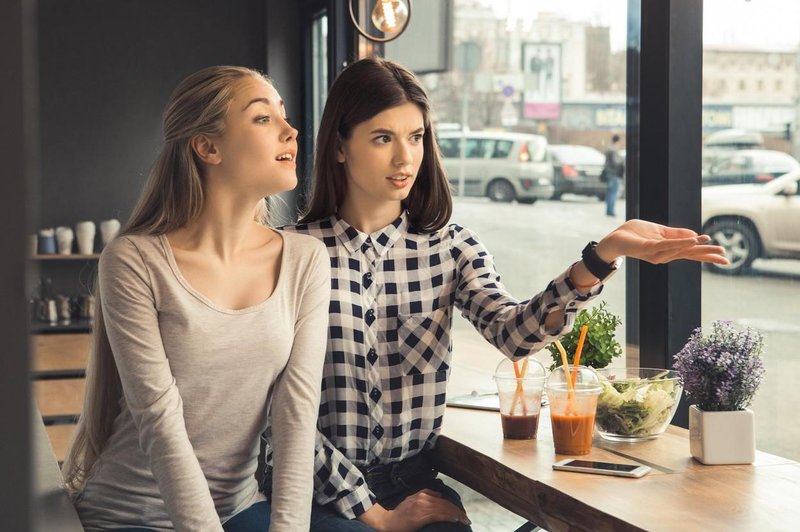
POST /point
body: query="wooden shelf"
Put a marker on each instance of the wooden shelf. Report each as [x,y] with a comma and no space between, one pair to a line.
[59,397]
[55,256]
[59,438]
[64,352]
[78,325]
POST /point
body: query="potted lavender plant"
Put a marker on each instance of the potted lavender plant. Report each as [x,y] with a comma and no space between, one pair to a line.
[721,372]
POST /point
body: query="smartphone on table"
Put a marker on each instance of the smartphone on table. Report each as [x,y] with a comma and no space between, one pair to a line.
[602,468]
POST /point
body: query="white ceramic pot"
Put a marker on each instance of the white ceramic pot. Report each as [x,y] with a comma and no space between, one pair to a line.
[722,437]
[64,237]
[108,230]
[84,232]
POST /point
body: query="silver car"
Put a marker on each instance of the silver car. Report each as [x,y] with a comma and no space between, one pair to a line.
[503,166]
[754,221]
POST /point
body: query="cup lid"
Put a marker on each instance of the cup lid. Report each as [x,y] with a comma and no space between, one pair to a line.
[582,378]
[527,368]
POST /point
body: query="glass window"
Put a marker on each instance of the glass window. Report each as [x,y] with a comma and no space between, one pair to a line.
[758,223]
[527,75]
[732,164]
[450,147]
[319,67]
[474,148]
[501,149]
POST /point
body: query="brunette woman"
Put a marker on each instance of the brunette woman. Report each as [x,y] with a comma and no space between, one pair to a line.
[381,204]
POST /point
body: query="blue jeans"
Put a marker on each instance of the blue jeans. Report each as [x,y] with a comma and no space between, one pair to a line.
[327,519]
[611,193]
[254,519]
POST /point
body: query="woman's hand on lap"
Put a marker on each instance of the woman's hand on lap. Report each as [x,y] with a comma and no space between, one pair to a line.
[416,511]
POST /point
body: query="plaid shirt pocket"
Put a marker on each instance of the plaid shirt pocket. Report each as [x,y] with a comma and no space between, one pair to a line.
[424,340]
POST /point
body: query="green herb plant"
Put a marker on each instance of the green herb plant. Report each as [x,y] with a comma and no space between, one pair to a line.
[600,345]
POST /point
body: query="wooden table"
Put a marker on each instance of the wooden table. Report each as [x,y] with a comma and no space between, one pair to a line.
[52,508]
[679,494]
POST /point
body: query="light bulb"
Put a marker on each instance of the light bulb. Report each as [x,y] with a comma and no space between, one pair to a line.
[389,16]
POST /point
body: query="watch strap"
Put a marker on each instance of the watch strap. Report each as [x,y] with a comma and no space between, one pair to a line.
[596,266]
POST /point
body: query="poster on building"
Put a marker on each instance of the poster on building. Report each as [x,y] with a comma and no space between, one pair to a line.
[541,66]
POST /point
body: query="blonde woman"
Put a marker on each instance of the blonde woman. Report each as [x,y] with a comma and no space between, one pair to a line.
[208,319]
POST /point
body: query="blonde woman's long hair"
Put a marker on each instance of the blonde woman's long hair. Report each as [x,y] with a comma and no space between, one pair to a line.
[173,197]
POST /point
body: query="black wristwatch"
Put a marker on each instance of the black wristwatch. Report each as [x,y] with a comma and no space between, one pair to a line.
[597,266]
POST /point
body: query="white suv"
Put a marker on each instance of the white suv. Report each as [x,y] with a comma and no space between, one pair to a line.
[503,166]
[754,221]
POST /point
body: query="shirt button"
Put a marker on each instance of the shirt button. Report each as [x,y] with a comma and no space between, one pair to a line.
[372,355]
[377,431]
[370,316]
[375,394]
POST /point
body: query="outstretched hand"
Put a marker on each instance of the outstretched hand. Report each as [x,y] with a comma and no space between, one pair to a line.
[658,244]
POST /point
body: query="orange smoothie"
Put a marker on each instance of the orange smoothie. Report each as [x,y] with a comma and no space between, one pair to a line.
[572,434]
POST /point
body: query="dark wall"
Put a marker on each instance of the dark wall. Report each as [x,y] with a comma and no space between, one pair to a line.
[17,152]
[106,69]
[285,38]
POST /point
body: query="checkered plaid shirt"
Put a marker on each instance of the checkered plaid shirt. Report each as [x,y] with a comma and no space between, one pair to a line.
[389,344]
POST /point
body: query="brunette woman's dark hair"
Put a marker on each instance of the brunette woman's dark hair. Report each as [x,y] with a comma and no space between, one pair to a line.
[364,89]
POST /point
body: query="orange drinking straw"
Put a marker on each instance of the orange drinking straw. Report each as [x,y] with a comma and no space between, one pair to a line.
[519,393]
[564,361]
[577,360]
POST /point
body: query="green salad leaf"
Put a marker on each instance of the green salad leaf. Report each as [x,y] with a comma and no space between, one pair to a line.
[635,407]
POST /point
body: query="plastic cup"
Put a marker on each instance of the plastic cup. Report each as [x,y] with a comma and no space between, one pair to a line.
[572,408]
[520,397]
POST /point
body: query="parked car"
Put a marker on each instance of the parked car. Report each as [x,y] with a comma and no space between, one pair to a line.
[726,141]
[576,169]
[749,166]
[503,166]
[754,221]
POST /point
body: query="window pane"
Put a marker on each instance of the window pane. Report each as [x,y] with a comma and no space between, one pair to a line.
[757,215]
[527,76]
[319,68]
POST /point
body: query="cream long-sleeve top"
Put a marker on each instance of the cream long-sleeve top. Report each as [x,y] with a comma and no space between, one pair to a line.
[198,383]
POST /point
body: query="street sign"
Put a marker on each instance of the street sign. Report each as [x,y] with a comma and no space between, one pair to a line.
[467,56]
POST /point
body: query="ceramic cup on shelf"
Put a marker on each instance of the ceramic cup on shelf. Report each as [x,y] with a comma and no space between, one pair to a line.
[64,306]
[108,230]
[85,232]
[86,307]
[47,241]
[64,238]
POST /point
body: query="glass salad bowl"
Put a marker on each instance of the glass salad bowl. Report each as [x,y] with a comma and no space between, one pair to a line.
[636,403]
